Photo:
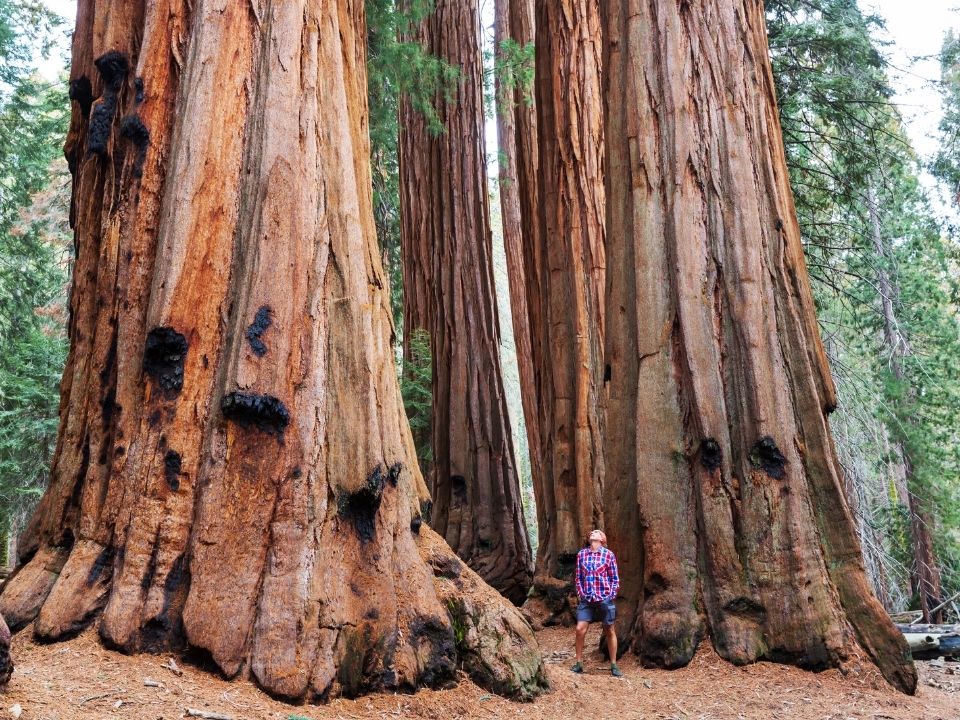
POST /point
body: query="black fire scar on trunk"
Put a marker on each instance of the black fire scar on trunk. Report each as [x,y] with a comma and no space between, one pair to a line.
[263,412]
[766,456]
[163,357]
[360,507]
[133,130]
[113,67]
[81,92]
[171,469]
[711,457]
[257,328]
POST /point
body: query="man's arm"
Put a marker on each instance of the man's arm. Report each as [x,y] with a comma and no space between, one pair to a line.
[614,576]
[578,579]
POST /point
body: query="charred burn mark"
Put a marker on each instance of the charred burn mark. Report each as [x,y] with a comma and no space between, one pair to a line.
[101,119]
[147,580]
[655,584]
[108,405]
[442,658]
[172,463]
[745,607]
[415,524]
[133,130]
[393,475]
[119,451]
[766,456]
[372,614]
[426,510]
[448,567]
[113,67]
[607,373]
[458,486]
[711,456]
[249,410]
[296,473]
[138,87]
[153,419]
[361,506]
[566,561]
[261,321]
[102,563]
[81,92]
[163,357]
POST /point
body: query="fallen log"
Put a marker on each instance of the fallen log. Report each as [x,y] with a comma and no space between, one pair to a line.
[921,641]
[929,629]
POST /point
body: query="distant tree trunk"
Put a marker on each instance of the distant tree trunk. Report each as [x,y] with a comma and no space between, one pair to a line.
[719,387]
[569,261]
[234,470]
[924,573]
[449,291]
[517,140]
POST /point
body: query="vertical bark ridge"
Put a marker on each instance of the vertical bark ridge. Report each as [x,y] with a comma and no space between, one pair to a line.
[726,379]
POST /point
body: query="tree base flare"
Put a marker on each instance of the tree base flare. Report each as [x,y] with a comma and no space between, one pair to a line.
[473,628]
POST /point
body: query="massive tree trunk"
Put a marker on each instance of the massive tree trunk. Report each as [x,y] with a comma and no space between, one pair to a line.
[234,471]
[517,153]
[449,292]
[924,573]
[569,262]
[719,387]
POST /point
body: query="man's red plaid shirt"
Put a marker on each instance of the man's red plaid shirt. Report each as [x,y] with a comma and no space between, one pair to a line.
[597,577]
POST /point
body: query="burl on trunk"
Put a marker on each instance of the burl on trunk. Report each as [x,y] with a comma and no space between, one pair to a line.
[234,470]
[723,494]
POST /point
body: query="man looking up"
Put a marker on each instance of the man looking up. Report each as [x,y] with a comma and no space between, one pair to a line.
[597,583]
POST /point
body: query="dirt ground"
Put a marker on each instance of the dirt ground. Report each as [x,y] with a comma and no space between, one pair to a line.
[80,679]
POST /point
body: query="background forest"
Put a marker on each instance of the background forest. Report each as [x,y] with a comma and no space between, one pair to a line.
[883,256]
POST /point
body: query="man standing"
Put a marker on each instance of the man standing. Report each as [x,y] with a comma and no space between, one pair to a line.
[597,583]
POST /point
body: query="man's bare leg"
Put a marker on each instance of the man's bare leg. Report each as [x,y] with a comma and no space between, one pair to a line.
[581,634]
[611,642]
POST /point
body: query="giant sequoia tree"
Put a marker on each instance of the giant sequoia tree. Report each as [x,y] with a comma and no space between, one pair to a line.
[723,494]
[234,472]
[566,258]
[449,292]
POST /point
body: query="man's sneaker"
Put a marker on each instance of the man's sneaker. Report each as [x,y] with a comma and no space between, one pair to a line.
[615,671]
[577,667]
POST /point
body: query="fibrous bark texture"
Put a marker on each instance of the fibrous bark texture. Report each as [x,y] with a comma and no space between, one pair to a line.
[234,472]
[566,255]
[723,496]
[449,292]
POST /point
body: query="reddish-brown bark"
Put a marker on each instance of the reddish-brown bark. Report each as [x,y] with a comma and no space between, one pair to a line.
[449,292]
[723,497]
[234,470]
[566,254]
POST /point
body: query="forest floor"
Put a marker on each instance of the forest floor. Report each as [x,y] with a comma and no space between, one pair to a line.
[80,679]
